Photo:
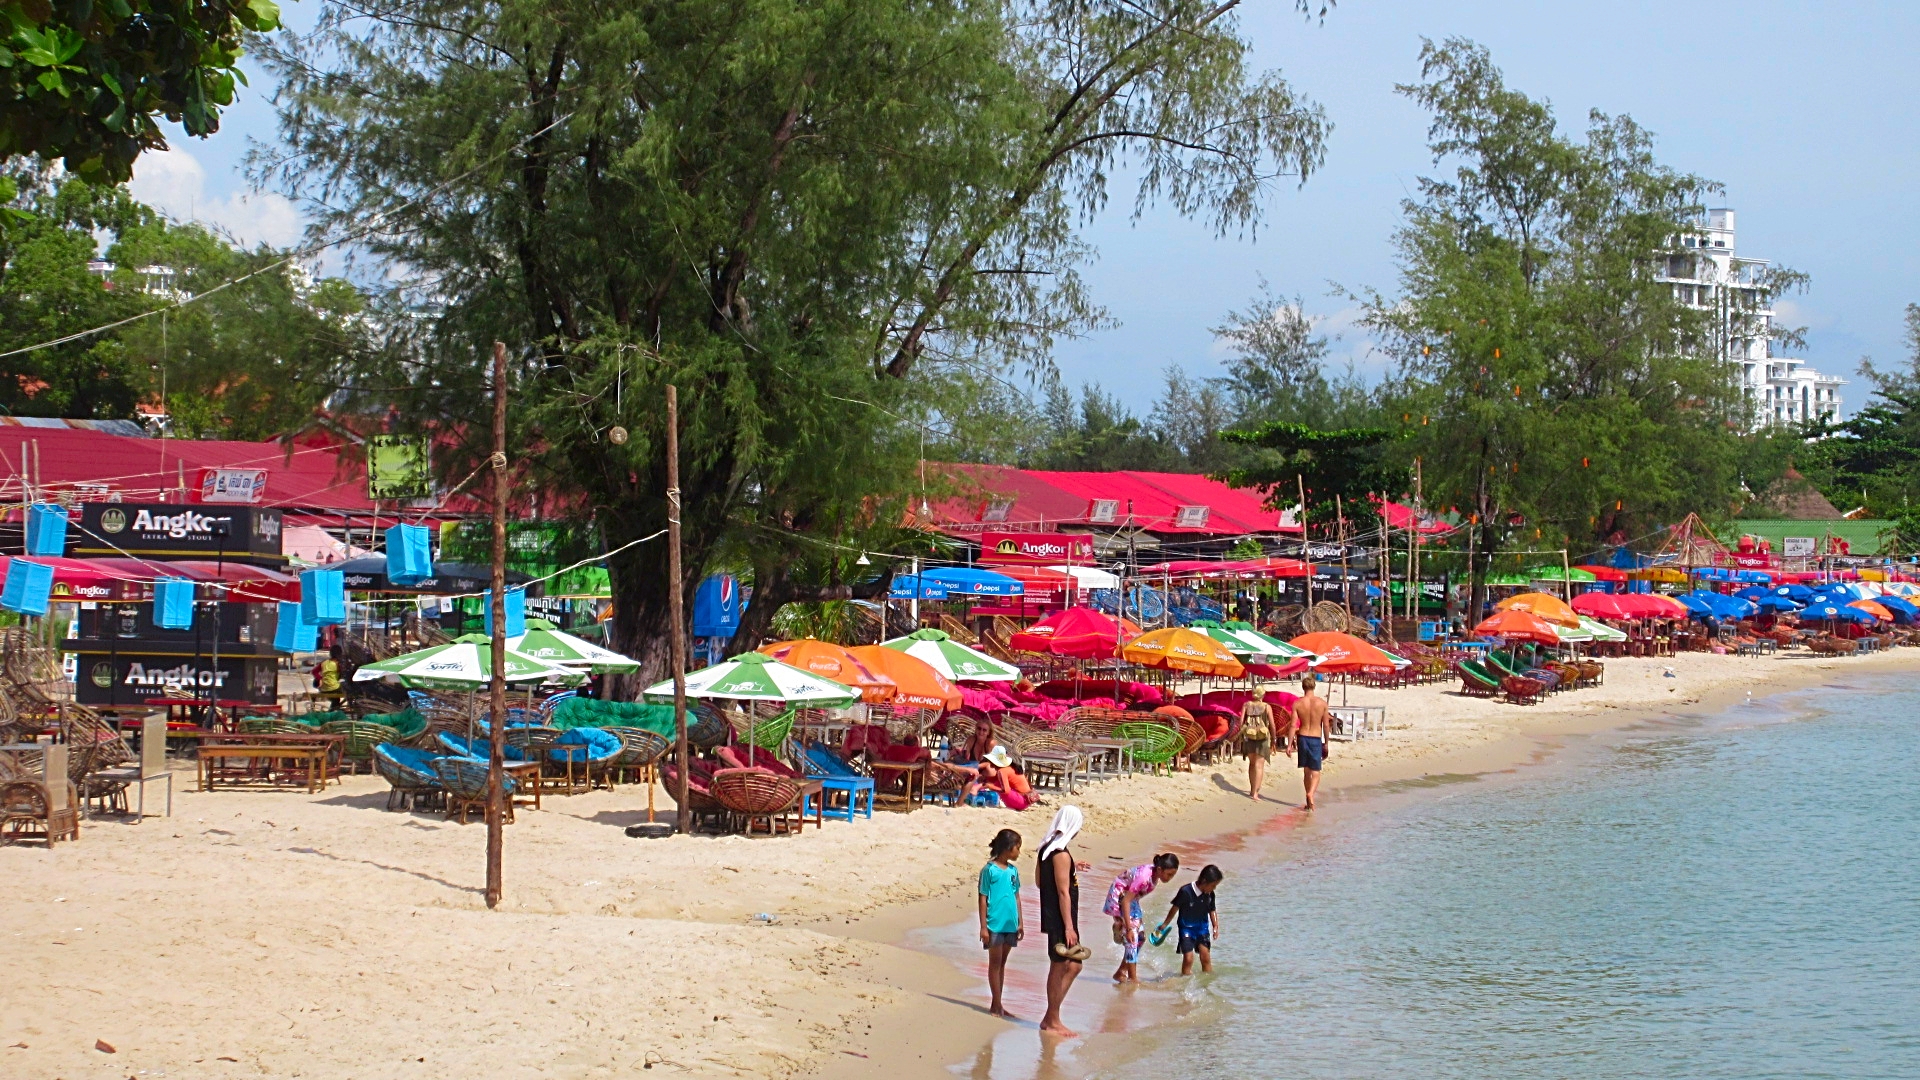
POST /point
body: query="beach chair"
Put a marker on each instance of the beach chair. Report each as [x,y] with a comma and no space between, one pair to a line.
[465,781]
[475,748]
[1151,743]
[30,808]
[701,804]
[361,738]
[1523,691]
[706,726]
[579,753]
[640,749]
[1476,681]
[838,777]
[754,795]
[412,782]
[1051,759]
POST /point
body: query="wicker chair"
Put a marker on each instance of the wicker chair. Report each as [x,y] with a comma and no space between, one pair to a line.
[415,784]
[1050,760]
[1522,690]
[757,795]
[1193,738]
[465,782]
[707,726]
[640,749]
[29,809]
[701,804]
[1154,743]
[361,738]
[272,725]
[1475,682]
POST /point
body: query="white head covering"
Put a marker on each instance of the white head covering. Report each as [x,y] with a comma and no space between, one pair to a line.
[1066,826]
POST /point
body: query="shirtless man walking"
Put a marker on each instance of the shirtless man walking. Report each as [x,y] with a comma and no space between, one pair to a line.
[1309,730]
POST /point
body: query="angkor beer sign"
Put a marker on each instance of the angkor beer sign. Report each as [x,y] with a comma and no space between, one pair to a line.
[131,679]
[1035,549]
[179,531]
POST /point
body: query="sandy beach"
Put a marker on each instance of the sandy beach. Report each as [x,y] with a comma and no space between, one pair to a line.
[273,934]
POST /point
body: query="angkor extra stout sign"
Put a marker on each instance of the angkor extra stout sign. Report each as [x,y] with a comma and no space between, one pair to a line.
[248,534]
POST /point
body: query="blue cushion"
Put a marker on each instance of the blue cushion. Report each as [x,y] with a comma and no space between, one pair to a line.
[476,748]
[586,744]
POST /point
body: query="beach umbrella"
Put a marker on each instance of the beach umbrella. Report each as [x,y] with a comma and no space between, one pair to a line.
[1516,625]
[1799,594]
[1844,593]
[1607,605]
[543,642]
[753,677]
[464,664]
[830,661]
[1177,648]
[1717,605]
[1242,640]
[1543,606]
[916,682]
[1601,631]
[1827,609]
[1078,632]
[1874,608]
[1903,610]
[1340,652]
[1902,588]
[952,659]
[1774,605]
[1572,635]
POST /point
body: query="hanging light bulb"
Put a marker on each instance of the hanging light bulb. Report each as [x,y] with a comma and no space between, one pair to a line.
[863,560]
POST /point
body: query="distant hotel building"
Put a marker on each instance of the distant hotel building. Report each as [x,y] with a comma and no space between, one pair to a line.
[1707,275]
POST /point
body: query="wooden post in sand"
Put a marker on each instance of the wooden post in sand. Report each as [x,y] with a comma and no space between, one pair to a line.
[497,685]
[683,816]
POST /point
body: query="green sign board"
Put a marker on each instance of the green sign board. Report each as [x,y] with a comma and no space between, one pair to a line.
[397,468]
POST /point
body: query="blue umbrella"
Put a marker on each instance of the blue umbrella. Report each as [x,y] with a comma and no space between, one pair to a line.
[973,581]
[1843,593]
[1799,594]
[1903,610]
[1829,610]
[1769,604]
[1705,603]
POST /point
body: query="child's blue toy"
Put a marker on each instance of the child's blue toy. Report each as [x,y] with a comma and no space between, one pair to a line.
[1159,936]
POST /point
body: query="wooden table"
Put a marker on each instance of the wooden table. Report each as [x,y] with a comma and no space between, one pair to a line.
[314,754]
[521,771]
[336,745]
[908,770]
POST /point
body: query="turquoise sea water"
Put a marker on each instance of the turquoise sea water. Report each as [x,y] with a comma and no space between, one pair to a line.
[1735,895]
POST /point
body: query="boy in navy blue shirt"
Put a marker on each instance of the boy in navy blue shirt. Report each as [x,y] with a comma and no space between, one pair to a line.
[1193,904]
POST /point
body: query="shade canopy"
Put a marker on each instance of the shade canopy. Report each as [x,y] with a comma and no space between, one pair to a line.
[1177,648]
[1340,653]
[464,664]
[952,659]
[1709,604]
[1902,610]
[1079,632]
[972,581]
[1601,631]
[916,682]
[753,677]
[830,661]
[1242,640]
[1517,625]
[1874,608]
[1827,609]
[1544,606]
[544,643]
[1628,606]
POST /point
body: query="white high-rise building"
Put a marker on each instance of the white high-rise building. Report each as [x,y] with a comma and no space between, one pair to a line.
[1707,274]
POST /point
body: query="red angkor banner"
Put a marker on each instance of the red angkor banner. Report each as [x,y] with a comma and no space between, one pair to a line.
[1035,549]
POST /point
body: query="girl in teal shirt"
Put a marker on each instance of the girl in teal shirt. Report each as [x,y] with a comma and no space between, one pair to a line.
[1000,928]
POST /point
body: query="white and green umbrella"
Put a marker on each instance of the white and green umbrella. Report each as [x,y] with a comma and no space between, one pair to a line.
[1601,631]
[1572,635]
[1242,639]
[755,677]
[465,664]
[544,643]
[952,659]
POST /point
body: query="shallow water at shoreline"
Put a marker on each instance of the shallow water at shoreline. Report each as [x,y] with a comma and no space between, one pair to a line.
[1709,896]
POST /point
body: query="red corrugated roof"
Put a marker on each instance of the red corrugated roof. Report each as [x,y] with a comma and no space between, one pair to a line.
[141,469]
[1236,510]
[1037,505]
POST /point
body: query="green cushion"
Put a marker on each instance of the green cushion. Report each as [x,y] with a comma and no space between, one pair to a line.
[317,719]
[592,712]
[408,721]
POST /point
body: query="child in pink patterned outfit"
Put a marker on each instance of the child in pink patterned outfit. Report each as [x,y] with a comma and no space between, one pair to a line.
[1123,905]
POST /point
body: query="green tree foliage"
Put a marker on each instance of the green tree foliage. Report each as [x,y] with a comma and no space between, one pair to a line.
[802,214]
[1872,457]
[87,82]
[249,360]
[1341,471]
[1550,386]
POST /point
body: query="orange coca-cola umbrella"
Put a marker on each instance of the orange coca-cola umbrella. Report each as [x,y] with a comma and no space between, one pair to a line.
[830,661]
[1516,625]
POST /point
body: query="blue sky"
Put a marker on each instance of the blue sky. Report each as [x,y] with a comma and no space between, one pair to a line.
[1804,112]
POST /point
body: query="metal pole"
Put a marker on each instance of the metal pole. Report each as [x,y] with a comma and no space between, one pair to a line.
[1306,548]
[497,683]
[676,599]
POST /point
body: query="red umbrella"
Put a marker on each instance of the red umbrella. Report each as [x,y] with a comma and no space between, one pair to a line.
[1343,652]
[1628,606]
[1078,632]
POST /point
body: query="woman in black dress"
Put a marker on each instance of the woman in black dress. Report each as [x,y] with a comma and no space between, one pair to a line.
[1056,874]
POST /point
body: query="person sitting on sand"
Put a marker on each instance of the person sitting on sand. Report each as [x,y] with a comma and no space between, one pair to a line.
[1000,926]
[1309,732]
[1057,875]
[1123,906]
[1193,905]
[996,774]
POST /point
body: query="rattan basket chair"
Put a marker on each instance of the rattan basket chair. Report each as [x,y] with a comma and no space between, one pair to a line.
[410,772]
[361,738]
[29,809]
[465,782]
[754,795]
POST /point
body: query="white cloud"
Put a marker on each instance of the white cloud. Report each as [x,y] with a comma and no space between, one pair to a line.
[174,182]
